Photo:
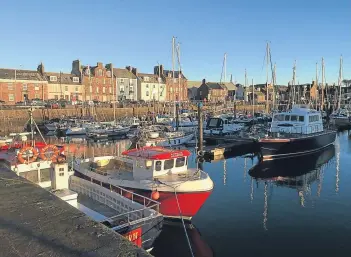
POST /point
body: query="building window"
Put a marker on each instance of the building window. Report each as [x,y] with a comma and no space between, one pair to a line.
[76,79]
[91,89]
[147,85]
[77,89]
[154,86]
[103,90]
[61,174]
[104,81]
[171,90]
[100,72]
[147,93]
[36,96]
[121,89]
[108,74]
[110,89]
[146,78]
[159,80]
[122,81]
[56,97]
[36,87]
[97,90]
[24,87]
[11,97]
[10,86]
[53,78]
[66,88]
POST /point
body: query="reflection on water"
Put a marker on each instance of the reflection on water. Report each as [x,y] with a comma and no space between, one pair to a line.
[294,207]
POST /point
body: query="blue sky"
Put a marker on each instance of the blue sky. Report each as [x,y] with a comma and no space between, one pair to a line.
[139,33]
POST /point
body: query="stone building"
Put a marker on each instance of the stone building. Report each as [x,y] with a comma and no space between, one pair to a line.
[62,85]
[176,84]
[151,87]
[127,83]
[97,82]
[212,91]
[21,86]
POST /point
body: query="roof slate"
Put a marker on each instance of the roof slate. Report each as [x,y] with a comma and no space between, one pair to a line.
[20,74]
[64,78]
[123,73]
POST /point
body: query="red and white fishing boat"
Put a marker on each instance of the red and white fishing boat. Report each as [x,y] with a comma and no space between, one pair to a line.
[155,172]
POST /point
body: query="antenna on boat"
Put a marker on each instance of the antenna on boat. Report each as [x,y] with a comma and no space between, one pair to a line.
[340,81]
[32,123]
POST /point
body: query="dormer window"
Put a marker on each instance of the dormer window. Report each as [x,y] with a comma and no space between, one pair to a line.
[100,73]
[76,79]
[53,78]
[146,78]
[108,74]
[159,80]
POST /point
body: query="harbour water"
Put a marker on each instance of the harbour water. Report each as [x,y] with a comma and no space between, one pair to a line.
[245,216]
[265,210]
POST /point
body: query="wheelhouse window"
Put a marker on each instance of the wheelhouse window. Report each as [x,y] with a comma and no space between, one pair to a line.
[279,117]
[293,118]
[169,164]
[302,118]
[287,117]
[180,162]
[158,166]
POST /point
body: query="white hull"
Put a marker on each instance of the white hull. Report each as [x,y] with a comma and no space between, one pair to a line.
[76,131]
[169,142]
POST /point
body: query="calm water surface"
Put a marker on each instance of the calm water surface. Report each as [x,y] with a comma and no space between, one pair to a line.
[271,213]
[272,216]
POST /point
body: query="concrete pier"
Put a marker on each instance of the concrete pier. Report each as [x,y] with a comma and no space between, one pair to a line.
[34,222]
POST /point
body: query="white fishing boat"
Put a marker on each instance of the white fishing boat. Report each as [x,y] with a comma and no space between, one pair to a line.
[221,126]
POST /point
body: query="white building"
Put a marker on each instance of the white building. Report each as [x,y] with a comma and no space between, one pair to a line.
[151,88]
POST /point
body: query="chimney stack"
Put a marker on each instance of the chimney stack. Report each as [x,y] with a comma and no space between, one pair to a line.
[76,68]
[41,68]
[135,71]
[203,81]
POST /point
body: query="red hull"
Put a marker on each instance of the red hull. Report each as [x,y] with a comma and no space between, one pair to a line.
[190,203]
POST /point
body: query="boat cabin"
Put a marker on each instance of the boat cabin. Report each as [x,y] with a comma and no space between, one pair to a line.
[299,120]
[150,162]
[217,123]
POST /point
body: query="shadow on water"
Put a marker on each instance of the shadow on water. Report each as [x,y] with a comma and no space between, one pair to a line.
[172,242]
[292,167]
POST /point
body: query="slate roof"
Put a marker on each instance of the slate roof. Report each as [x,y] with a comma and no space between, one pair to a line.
[214,85]
[152,78]
[176,74]
[123,73]
[65,78]
[229,85]
[20,74]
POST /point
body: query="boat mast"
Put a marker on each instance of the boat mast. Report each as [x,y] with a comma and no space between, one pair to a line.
[174,107]
[273,84]
[114,97]
[340,81]
[267,93]
[253,98]
[294,82]
[322,102]
[317,90]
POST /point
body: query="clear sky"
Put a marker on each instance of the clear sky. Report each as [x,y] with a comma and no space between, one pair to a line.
[139,33]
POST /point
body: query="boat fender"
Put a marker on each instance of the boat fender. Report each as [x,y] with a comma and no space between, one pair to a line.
[155,195]
[201,153]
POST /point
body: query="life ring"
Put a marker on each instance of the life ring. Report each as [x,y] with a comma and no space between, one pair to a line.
[27,150]
[49,152]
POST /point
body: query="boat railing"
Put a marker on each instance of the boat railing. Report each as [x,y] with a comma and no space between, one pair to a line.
[132,206]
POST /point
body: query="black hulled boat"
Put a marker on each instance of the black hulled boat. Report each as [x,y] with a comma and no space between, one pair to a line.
[294,133]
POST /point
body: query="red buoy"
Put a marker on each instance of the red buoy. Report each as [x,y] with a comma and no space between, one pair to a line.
[155,195]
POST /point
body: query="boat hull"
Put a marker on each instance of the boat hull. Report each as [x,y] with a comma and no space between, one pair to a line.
[278,148]
[341,122]
[189,202]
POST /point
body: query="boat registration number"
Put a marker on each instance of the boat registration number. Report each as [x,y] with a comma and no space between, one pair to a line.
[134,236]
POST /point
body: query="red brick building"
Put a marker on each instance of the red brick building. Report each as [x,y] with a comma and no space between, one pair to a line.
[176,84]
[22,85]
[97,82]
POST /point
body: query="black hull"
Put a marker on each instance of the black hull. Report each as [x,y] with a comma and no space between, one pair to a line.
[280,148]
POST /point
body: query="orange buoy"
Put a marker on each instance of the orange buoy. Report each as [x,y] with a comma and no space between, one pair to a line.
[155,195]
[27,154]
[49,152]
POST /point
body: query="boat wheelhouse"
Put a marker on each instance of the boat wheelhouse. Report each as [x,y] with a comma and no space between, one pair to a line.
[156,172]
[300,120]
[221,126]
[296,132]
